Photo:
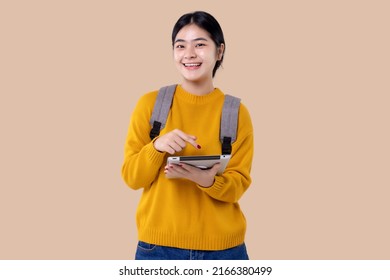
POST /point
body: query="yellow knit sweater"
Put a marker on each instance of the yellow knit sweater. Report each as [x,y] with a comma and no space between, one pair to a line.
[177,212]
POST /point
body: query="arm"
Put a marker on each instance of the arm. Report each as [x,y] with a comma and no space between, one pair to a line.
[144,158]
[231,185]
[142,161]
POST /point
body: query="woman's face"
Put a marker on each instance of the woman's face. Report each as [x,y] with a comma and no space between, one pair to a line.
[195,54]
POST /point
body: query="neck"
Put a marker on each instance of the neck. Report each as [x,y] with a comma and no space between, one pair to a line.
[198,88]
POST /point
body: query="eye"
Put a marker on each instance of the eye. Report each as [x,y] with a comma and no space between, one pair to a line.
[200,45]
[179,47]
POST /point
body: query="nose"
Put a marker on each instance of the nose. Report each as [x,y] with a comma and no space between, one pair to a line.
[190,52]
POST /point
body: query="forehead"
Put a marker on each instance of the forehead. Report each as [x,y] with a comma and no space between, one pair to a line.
[191,32]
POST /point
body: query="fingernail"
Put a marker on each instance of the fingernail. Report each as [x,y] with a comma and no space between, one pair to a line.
[199,147]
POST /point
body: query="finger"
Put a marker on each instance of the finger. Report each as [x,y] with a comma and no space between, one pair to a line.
[175,146]
[179,141]
[180,172]
[194,143]
[169,174]
[188,138]
[178,168]
[168,170]
[188,168]
[184,135]
[174,171]
[169,150]
[166,167]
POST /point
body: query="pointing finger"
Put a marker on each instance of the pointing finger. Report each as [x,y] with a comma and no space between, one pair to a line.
[191,139]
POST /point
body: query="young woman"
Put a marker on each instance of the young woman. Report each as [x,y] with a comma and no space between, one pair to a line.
[186,212]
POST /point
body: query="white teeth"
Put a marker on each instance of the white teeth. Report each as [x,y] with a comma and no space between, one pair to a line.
[191,64]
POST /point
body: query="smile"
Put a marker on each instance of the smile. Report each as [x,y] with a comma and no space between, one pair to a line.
[192,64]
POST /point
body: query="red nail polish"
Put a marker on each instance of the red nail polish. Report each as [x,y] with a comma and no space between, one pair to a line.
[199,147]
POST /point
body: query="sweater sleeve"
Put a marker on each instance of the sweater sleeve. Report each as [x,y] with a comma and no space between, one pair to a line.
[231,185]
[141,160]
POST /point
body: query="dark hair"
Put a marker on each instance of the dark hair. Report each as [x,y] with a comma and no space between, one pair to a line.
[205,21]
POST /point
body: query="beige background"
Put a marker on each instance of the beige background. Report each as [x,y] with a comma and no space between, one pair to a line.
[314,75]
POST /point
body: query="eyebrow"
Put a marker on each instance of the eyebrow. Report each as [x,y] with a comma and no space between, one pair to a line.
[197,39]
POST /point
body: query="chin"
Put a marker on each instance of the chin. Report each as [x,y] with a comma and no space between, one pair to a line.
[191,78]
[194,78]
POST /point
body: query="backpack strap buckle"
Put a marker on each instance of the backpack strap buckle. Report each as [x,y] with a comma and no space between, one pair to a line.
[227,145]
[229,123]
[161,110]
[155,131]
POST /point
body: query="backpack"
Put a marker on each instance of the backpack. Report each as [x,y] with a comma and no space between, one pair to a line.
[229,119]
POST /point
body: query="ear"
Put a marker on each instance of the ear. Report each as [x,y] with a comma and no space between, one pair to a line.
[220,51]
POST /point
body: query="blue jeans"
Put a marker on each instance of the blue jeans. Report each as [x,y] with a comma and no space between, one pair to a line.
[146,251]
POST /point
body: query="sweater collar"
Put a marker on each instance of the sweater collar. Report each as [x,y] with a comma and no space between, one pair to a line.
[197,99]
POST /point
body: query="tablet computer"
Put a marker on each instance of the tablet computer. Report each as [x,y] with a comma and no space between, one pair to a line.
[202,162]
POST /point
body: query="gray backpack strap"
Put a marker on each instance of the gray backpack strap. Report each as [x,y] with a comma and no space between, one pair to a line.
[229,123]
[161,109]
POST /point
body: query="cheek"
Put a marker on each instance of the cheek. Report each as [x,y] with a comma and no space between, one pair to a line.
[176,56]
[211,57]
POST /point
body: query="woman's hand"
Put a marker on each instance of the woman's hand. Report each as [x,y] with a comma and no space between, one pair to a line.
[174,141]
[204,178]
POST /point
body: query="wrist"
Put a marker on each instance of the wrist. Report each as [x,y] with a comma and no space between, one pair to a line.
[206,184]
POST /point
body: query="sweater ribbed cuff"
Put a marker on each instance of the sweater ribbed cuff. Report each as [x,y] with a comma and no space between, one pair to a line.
[154,156]
[215,189]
